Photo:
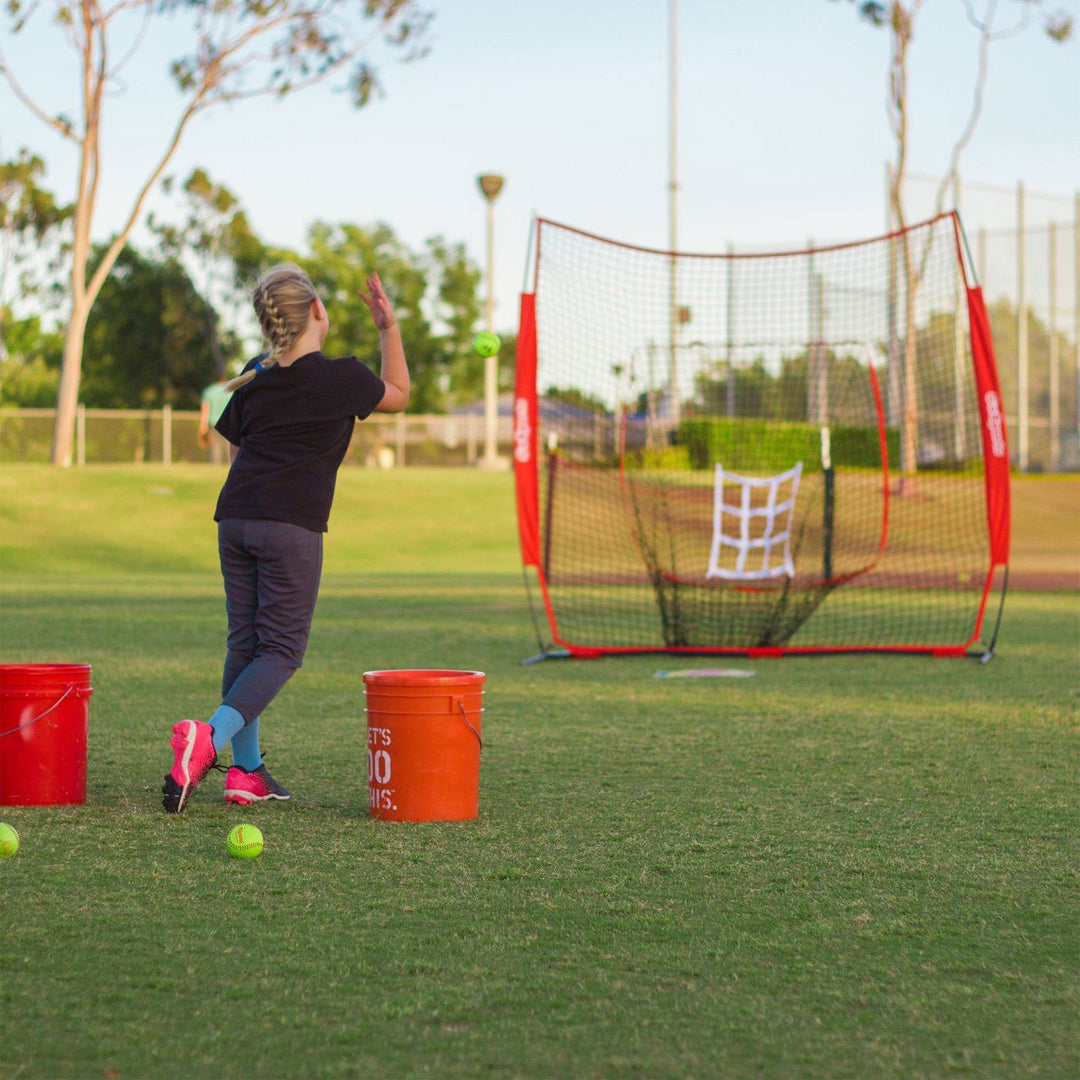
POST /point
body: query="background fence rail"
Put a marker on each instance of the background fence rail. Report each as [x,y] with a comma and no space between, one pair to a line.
[166,436]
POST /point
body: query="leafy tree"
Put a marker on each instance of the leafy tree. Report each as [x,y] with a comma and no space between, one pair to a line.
[571,395]
[433,292]
[29,361]
[31,221]
[340,258]
[240,49]
[1003,327]
[458,307]
[784,396]
[146,343]
[217,238]
[508,361]
[31,239]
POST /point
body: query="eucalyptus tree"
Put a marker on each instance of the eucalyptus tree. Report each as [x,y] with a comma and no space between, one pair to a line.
[217,239]
[236,50]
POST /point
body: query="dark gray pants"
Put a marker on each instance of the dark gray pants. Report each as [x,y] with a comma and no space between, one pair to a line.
[271,571]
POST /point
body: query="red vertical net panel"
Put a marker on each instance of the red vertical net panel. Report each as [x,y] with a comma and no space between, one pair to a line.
[790,451]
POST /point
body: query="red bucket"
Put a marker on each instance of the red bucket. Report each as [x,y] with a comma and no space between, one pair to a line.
[424,744]
[44,715]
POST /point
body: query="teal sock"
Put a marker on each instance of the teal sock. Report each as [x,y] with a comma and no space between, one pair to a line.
[245,747]
[226,722]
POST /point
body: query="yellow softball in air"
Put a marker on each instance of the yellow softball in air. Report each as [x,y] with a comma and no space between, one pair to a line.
[486,344]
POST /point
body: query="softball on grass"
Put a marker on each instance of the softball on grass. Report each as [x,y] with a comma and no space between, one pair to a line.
[9,841]
[245,841]
[486,344]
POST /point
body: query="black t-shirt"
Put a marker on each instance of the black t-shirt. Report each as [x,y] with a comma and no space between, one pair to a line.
[293,426]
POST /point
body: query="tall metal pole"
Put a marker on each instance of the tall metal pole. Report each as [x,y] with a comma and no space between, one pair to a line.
[730,333]
[490,186]
[958,348]
[1021,334]
[489,308]
[813,337]
[1076,302]
[673,209]
[1055,359]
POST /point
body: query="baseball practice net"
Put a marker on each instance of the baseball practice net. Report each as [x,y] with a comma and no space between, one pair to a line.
[760,453]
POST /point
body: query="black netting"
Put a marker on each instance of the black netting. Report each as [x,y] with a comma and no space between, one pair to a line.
[675,393]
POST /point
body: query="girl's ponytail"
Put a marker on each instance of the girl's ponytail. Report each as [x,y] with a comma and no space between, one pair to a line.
[282,300]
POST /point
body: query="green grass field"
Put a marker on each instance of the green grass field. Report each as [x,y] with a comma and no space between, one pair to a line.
[841,867]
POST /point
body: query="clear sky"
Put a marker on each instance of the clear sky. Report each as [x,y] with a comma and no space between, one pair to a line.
[782,127]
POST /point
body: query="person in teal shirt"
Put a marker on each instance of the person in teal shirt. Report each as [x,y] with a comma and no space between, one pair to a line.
[214,399]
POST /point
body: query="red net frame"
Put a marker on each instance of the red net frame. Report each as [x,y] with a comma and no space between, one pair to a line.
[881,347]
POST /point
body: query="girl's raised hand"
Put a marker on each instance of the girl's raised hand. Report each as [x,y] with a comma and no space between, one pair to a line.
[378,303]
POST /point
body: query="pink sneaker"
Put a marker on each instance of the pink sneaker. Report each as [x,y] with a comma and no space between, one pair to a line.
[243,787]
[193,746]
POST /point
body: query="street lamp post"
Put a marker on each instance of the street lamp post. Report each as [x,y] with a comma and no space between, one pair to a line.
[490,185]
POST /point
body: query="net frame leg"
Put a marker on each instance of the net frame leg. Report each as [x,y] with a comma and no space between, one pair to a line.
[547,652]
[991,650]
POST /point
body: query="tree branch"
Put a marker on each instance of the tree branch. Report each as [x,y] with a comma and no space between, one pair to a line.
[226,71]
[125,5]
[985,37]
[139,36]
[53,121]
[985,24]
[263,91]
[93,126]
[117,245]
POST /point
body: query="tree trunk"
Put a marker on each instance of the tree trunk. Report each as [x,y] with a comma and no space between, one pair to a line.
[67,399]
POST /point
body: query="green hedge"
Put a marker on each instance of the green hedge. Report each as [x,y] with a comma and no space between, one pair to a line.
[769,446]
[661,459]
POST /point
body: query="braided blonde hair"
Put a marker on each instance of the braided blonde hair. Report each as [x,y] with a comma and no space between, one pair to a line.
[282,299]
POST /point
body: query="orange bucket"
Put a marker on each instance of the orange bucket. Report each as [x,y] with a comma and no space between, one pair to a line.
[44,716]
[424,744]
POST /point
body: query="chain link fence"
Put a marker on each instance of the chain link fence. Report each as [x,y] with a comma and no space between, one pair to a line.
[164,436]
[1025,247]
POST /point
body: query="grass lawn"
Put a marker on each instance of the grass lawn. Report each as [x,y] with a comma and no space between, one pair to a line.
[850,866]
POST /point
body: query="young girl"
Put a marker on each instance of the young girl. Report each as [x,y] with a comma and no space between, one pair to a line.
[289,424]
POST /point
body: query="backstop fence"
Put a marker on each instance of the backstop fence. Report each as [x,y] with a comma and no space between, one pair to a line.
[1025,247]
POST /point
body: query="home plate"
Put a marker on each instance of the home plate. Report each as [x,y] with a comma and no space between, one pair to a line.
[705,673]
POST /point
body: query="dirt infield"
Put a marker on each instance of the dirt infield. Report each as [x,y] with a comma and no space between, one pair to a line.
[1045,533]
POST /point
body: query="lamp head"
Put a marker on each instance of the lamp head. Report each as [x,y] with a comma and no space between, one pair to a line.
[490,184]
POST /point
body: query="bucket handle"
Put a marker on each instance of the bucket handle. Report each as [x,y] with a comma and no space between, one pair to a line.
[464,716]
[55,705]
